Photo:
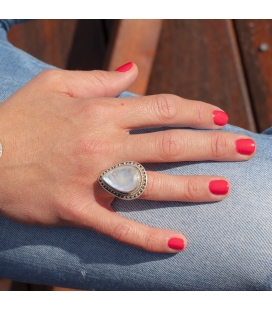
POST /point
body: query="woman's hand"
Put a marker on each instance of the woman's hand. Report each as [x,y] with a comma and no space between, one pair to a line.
[63,128]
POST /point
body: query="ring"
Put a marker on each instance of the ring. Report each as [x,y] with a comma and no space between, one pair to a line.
[125,180]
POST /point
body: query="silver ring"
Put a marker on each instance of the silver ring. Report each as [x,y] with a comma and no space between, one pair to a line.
[125,180]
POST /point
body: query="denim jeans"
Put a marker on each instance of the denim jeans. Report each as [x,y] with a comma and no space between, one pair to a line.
[229,242]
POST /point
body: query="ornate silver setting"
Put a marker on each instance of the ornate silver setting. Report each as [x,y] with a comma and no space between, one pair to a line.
[134,194]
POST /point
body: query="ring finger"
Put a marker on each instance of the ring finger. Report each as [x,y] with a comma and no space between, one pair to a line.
[188,145]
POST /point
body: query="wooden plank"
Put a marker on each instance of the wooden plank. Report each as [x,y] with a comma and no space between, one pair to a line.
[136,40]
[5,284]
[66,44]
[90,44]
[57,288]
[199,59]
[47,40]
[255,41]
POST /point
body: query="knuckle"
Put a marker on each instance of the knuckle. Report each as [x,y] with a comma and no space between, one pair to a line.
[218,145]
[100,78]
[199,113]
[191,190]
[150,242]
[165,108]
[52,77]
[121,231]
[170,145]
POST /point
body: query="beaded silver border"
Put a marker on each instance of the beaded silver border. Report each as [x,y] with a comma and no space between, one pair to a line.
[126,196]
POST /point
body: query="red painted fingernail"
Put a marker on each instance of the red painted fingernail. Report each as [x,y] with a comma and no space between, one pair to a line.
[245,146]
[125,67]
[176,244]
[219,187]
[220,118]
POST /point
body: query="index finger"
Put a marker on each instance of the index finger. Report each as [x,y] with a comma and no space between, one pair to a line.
[169,110]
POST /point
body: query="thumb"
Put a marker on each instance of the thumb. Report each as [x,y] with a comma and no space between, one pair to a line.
[89,84]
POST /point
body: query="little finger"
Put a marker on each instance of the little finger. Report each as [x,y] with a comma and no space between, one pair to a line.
[132,233]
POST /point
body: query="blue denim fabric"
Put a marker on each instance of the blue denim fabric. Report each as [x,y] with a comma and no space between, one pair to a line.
[229,242]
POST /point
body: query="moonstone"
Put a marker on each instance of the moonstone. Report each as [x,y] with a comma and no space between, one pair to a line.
[124,178]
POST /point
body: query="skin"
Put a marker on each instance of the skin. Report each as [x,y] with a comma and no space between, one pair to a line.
[62,129]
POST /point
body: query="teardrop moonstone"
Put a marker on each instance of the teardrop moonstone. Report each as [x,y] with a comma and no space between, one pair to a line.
[124,178]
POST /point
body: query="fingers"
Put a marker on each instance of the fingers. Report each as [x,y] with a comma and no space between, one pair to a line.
[159,187]
[90,84]
[132,233]
[188,145]
[170,110]
[185,188]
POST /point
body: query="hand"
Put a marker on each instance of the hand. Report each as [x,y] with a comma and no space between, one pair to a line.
[63,128]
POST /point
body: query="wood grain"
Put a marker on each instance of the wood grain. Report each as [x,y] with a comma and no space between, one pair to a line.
[66,44]
[47,40]
[136,40]
[258,66]
[199,59]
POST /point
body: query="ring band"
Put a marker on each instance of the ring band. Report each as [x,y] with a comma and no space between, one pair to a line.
[126,180]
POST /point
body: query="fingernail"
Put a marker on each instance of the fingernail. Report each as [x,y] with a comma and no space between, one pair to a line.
[125,67]
[176,244]
[219,187]
[245,146]
[220,118]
